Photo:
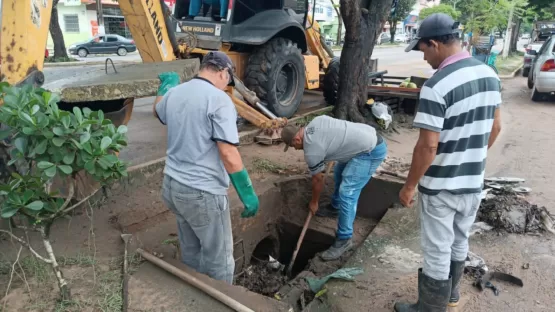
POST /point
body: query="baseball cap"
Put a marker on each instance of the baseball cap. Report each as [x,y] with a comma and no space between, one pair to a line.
[435,25]
[222,61]
[287,134]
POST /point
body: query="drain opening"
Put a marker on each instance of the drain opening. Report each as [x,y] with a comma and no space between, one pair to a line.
[265,274]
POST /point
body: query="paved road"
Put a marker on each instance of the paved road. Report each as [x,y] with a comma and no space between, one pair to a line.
[393,59]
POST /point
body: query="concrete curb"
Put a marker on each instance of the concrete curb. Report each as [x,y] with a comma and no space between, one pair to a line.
[79,63]
[513,74]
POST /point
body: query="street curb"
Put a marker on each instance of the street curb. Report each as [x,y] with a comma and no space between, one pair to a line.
[513,74]
[69,64]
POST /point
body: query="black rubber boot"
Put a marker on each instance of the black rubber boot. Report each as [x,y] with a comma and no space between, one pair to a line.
[456,272]
[433,296]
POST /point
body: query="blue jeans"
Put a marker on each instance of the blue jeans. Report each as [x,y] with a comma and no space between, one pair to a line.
[350,178]
[194,6]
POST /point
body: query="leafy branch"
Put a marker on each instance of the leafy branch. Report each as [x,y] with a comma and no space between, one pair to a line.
[46,144]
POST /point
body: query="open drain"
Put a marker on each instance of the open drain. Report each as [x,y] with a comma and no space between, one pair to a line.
[265,274]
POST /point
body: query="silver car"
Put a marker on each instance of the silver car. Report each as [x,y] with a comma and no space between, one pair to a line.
[531,51]
[542,75]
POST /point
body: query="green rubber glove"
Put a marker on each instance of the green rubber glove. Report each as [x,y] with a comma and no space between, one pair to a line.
[243,185]
[168,80]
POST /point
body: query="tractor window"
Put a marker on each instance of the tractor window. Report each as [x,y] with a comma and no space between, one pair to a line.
[245,9]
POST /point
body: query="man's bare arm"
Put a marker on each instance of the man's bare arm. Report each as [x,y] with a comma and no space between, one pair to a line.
[230,157]
[156,101]
[317,186]
[496,128]
[422,157]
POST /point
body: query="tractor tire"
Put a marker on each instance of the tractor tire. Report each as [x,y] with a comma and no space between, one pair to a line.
[276,73]
[331,82]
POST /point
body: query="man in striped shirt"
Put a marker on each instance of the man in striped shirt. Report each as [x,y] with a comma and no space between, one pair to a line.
[459,119]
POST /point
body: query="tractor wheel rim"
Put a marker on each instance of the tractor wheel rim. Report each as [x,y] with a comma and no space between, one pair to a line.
[286,84]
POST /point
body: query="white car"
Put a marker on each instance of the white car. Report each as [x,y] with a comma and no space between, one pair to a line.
[401,38]
[542,76]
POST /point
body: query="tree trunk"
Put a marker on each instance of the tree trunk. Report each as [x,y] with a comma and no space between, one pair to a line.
[362,27]
[392,29]
[56,33]
[65,292]
[514,37]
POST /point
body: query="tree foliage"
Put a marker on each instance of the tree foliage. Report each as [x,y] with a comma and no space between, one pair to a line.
[441,8]
[402,10]
[46,143]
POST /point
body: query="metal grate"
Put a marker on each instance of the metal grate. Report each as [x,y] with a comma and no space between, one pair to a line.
[71,22]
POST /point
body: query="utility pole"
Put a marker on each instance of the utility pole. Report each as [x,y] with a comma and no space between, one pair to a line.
[507,42]
[100,17]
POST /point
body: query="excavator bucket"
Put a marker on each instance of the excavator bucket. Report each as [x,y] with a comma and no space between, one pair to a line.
[24,25]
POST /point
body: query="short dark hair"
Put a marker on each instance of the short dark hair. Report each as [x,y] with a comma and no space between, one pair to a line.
[210,67]
[445,39]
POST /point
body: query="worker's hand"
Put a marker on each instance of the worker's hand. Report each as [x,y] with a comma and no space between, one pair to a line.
[243,185]
[313,206]
[168,80]
[406,196]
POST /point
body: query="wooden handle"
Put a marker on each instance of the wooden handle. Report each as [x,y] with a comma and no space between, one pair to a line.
[299,243]
[214,293]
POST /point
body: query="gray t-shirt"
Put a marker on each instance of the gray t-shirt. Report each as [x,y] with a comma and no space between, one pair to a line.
[330,139]
[198,115]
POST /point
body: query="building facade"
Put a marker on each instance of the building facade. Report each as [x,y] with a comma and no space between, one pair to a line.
[79,20]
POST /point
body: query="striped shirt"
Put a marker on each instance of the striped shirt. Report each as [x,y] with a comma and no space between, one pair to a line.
[459,102]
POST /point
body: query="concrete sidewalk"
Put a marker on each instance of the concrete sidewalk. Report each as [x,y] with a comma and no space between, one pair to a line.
[390,258]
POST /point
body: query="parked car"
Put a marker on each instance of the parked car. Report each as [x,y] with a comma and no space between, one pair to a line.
[383,38]
[530,52]
[542,75]
[104,44]
[401,38]
[46,53]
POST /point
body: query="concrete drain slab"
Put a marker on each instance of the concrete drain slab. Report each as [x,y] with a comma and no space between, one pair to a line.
[153,289]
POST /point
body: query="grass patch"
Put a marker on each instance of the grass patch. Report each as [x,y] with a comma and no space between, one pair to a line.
[301,122]
[63,59]
[262,165]
[34,267]
[510,64]
[109,291]
[80,259]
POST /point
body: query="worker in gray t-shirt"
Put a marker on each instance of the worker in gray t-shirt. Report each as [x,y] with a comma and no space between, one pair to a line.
[358,151]
[202,157]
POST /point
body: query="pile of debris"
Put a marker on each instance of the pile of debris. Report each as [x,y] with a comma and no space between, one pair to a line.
[505,208]
[264,277]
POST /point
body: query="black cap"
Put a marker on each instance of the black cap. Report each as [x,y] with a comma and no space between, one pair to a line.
[220,60]
[435,25]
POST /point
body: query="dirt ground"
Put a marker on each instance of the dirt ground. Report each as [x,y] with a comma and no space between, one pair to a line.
[91,259]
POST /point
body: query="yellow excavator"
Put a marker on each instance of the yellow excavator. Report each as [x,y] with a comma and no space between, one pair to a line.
[276,48]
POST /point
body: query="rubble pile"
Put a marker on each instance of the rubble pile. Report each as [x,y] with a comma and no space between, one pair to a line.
[507,210]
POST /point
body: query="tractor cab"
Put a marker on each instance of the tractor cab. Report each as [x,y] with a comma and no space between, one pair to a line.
[208,24]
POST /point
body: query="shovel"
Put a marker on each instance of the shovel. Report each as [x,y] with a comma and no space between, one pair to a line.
[305,227]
